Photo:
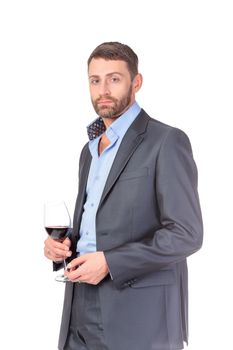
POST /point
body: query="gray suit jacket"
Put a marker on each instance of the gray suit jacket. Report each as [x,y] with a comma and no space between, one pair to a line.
[147,223]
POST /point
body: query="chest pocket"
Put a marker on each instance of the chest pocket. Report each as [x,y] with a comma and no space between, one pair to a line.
[128,175]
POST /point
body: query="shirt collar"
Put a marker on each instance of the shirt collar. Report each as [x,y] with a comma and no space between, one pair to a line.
[119,126]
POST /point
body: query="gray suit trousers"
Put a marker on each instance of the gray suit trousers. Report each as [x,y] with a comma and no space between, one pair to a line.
[86,327]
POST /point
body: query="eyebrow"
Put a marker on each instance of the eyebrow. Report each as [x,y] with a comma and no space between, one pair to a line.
[108,75]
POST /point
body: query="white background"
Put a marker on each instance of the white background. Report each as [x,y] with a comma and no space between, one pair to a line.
[185,52]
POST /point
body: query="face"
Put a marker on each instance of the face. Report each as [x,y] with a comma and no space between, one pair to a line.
[111,88]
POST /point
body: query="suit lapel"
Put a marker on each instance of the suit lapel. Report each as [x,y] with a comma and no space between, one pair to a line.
[84,175]
[129,144]
[85,167]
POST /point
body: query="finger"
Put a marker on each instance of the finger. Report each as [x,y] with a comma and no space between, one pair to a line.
[46,252]
[73,275]
[56,254]
[55,250]
[53,243]
[77,261]
[62,253]
[50,254]
[67,242]
[59,250]
[60,246]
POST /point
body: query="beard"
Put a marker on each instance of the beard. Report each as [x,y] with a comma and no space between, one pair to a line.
[114,110]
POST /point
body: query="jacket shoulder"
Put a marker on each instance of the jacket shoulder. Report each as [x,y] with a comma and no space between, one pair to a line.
[161,130]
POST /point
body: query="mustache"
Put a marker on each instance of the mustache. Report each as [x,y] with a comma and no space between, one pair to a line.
[106,98]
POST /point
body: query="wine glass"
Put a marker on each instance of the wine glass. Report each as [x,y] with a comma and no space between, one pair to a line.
[57,223]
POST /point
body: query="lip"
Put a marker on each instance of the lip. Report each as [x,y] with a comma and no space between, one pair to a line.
[104,102]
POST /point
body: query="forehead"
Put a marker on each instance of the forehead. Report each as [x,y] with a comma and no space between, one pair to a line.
[102,67]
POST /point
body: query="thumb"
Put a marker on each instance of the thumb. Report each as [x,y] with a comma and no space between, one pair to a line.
[67,242]
[76,262]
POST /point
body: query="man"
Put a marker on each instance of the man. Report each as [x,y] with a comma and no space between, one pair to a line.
[137,218]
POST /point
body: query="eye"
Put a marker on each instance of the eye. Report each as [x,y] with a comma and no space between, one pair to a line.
[94,81]
[115,79]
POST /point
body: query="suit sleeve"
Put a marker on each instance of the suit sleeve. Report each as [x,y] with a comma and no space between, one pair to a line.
[180,233]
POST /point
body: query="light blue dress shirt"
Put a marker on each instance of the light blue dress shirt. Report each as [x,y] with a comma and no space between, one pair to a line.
[98,174]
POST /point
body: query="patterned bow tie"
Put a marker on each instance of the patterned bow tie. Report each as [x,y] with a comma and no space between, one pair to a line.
[96,129]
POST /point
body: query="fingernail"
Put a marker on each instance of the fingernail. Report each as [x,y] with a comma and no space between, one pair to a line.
[68,254]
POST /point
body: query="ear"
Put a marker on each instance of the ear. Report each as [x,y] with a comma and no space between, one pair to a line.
[137,82]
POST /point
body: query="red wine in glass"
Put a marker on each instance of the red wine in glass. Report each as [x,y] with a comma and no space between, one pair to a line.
[57,223]
[57,232]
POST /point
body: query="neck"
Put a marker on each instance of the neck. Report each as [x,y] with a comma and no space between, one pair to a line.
[103,143]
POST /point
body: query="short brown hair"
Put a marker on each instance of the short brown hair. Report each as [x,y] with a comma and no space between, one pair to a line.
[114,50]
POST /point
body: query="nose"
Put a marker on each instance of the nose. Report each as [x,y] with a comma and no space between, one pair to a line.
[104,88]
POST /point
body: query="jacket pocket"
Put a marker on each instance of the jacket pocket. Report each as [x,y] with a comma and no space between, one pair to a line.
[159,278]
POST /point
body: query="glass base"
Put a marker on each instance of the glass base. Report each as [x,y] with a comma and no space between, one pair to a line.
[61,278]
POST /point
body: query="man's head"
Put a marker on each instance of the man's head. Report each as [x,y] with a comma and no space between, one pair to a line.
[113,79]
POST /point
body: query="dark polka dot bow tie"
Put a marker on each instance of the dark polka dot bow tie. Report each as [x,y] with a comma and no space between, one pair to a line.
[96,129]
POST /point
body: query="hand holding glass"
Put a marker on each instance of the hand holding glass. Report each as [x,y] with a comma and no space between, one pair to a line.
[57,222]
